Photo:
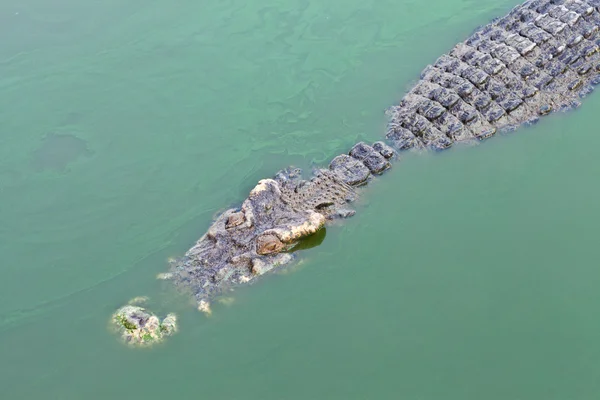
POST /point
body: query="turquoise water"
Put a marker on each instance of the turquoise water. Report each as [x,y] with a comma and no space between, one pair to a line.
[126,126]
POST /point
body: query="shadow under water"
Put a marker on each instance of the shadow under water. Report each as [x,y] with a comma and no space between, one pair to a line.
[57,151]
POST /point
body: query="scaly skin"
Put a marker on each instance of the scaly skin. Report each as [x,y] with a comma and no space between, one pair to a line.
[542,57]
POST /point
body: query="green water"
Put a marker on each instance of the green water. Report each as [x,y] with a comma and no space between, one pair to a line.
[125,126]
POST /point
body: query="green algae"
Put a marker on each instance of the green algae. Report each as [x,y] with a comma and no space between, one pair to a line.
[138,327]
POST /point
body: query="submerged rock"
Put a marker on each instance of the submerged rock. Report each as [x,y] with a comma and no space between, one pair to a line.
[138,327]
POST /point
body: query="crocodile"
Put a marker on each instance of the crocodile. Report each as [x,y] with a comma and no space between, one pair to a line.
[542,57]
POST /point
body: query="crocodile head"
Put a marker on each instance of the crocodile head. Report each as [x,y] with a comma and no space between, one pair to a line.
[246,242]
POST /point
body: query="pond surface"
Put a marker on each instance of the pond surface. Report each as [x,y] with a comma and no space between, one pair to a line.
[470,274]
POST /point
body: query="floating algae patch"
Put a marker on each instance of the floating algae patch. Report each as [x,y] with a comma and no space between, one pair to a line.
[138,327]
[57,151]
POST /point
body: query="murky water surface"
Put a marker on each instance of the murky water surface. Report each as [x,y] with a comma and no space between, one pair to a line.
[126,126]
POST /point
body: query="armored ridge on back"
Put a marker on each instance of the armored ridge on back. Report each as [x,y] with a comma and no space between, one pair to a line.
[542,57]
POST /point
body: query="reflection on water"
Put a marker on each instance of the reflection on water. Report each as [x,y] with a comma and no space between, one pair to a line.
[311,241]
